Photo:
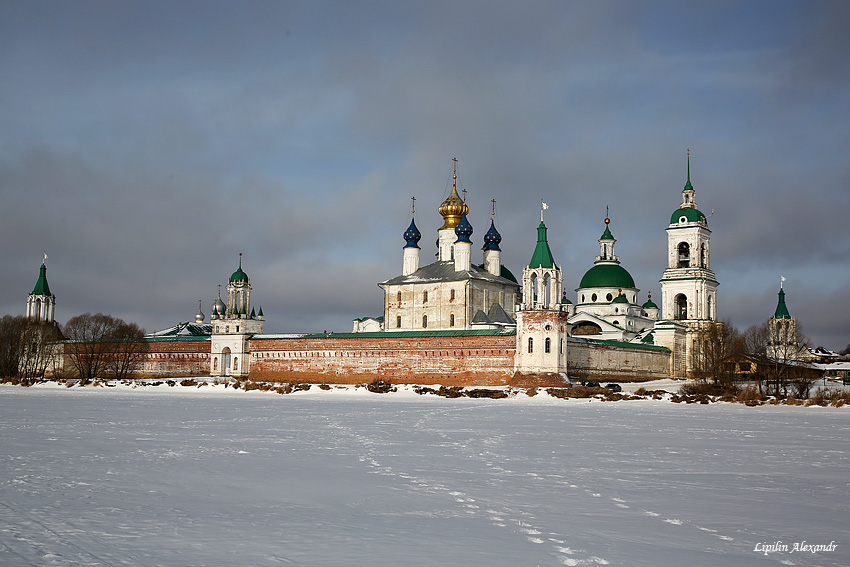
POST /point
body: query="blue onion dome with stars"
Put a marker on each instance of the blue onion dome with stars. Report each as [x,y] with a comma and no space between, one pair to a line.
[492,238]
[463,230]
[412,235]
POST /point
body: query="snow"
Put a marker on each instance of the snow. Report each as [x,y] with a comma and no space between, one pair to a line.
[208,476]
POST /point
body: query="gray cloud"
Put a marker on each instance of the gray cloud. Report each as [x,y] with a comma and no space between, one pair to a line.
[145,145]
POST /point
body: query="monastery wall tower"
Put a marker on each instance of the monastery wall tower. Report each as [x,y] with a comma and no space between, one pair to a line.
[233,327]
[41,304]
[542,323]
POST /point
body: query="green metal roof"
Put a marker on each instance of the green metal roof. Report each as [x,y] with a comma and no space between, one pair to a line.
[781,308]
[607,234]
[649,305]
[411,334]
[620,299]
[692,214]
[41,287]
[607,275]
[542,257]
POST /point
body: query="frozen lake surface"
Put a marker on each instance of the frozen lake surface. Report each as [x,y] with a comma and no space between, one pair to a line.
[183,476]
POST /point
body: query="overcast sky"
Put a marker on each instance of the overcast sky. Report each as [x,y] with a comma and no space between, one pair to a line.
[144,145]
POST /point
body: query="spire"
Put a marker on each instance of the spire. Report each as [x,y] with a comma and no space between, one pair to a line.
[607,234]
[453,208]
[781,308]
[542,257]
[41,287]
[688,186]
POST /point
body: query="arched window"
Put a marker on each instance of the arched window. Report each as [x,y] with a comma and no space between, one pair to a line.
[709,308]
[452,320]
[530,345]
[235,364]
[452,295]
[681,308]
[398,321]
[424,297]
[534,287]
[424,321]
[398,297]
[561,347]
[215,363]
[547,345]
[547,283]
[684,255]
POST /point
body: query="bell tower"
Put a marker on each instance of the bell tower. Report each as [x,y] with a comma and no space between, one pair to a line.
[688,286]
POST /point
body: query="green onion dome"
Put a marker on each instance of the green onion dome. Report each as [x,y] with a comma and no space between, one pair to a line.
[607,275]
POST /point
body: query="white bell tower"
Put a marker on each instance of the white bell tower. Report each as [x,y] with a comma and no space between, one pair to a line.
[688,286]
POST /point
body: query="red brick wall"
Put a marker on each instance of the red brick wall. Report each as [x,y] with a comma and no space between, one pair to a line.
[176,358]
[451,361]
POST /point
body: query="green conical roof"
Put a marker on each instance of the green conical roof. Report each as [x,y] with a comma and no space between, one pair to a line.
[688,186]
[607,234]
[781,309]
[41,287]
[542,257]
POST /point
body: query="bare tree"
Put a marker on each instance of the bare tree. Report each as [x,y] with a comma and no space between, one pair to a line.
[714,345]
[11,328]
[101,344]
[37,348]
[26,347]
[127,350]
[779,352]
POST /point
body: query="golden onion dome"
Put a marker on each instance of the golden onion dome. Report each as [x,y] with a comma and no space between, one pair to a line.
[453,208]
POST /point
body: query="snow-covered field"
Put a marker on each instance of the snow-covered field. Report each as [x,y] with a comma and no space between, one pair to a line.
[184,477]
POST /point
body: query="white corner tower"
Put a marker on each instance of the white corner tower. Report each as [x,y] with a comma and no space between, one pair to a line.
[41,304]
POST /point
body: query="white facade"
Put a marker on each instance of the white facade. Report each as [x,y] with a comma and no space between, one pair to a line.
[229,352]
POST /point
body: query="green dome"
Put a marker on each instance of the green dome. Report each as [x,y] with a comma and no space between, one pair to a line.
[620,299]
[649,305]
[239,276]
[607,275]
[690,213]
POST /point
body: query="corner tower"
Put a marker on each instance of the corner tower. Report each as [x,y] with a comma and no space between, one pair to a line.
[41,304]
[688,286]
[542,323]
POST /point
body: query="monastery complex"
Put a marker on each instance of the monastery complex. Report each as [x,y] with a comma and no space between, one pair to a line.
[457,322]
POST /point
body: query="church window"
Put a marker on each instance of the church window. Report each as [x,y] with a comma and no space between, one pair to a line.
[548,327]
[681,307]
[616,322]
[398,321]
[424,321]
[561,347]
[684,255]
[609,297]
[235,364]
[452,320]
[237,328]
[547,345]
[452,295]
[582,298]
[709,308]
[215,363]
[530,345]
[398,297]
[593,297]
[424,297]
